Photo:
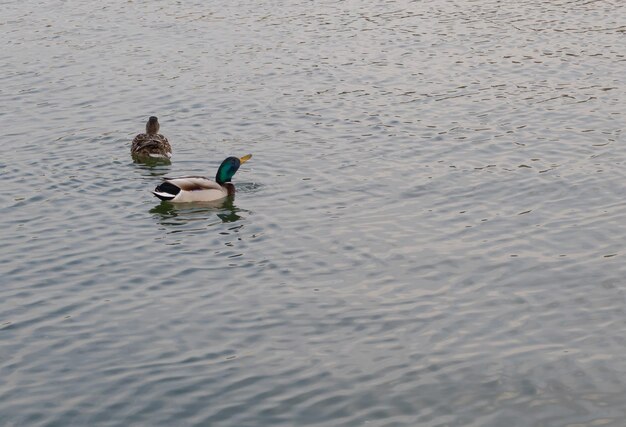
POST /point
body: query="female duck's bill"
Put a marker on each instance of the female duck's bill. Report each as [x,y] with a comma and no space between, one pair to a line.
[199,188]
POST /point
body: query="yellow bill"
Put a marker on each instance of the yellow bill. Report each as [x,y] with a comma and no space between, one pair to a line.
[245,158]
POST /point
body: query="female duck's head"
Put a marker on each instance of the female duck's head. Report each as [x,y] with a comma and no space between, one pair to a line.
[229,167]
[152,127]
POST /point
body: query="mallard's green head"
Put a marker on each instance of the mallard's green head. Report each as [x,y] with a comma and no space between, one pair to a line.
[229,167]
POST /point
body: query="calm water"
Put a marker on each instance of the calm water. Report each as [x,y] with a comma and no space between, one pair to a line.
[431,230]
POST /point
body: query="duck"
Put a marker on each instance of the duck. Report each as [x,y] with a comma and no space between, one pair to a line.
[187,189]
[151,144]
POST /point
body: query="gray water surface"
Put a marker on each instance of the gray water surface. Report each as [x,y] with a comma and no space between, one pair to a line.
[430,231]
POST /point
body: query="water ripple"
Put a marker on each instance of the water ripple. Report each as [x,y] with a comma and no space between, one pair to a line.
[429,232]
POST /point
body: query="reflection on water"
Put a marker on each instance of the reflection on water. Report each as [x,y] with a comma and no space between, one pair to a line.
[151,161]
[156,169]
[177,214]
[437,238]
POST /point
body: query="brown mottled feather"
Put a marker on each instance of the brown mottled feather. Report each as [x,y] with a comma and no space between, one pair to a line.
[151,144]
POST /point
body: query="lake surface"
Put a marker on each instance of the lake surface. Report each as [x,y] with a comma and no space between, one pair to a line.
[430,232]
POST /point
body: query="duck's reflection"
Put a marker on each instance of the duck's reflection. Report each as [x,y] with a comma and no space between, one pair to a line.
[176,214]
[151,162]
[152,168]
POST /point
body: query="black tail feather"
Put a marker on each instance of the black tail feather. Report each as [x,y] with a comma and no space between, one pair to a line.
[167,187]
[166,191]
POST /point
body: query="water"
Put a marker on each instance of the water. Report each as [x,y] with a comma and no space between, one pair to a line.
[430,231]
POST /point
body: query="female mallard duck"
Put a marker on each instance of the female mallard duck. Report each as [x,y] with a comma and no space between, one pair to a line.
[152,143]
[199,188]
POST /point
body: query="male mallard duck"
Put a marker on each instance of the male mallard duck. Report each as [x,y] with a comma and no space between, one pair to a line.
[199,188]
[151,143]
